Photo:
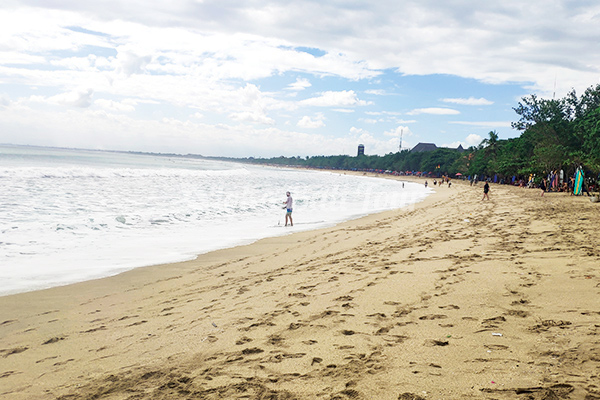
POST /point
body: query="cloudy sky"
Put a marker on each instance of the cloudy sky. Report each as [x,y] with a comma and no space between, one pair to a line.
[273,77]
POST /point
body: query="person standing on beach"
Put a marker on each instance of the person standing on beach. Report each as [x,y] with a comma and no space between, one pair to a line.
[543,186]
[288,207]
[486,189]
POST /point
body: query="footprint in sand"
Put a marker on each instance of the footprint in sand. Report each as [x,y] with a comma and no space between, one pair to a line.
[275,340]
[243,340]
[434,342]
[53,340]
[433,316]
[9,352]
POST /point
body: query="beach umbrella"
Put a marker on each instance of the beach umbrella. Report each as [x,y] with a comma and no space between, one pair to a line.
[458,174]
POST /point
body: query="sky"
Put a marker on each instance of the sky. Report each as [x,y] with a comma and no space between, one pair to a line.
[269,78]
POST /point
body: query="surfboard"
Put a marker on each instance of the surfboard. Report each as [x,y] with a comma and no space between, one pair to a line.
[578,182]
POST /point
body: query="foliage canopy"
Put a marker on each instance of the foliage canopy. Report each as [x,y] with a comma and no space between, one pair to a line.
[555,134]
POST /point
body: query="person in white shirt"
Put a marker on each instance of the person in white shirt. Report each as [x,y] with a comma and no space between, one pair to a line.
[288,207]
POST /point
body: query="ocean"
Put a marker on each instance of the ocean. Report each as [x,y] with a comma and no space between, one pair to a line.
[73,215]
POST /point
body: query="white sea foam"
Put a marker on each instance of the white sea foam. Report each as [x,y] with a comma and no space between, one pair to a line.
[68,216]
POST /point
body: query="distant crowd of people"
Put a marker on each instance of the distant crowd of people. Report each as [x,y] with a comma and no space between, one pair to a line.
[444,179]
[553,182]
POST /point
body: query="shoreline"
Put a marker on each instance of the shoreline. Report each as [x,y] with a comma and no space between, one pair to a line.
[186,256]
[404,301]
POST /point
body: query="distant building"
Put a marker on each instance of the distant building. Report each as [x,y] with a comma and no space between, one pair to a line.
[423,147]
[431,147]
[361,150]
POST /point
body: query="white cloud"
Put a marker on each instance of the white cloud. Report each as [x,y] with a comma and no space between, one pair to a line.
[300,84]
[4,100]
[473,139]
[101,129]
[491,42]
[254,117]
[177,61]
[77,63]
[471,101]
[403,131]
[357,131]
[434,111]
[346,98]
[307,122]
[130,63]
[114,105]
[76,98]
[14,57]
[377,92]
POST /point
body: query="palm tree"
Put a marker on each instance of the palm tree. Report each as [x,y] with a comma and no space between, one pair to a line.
[490,146]
[491,142]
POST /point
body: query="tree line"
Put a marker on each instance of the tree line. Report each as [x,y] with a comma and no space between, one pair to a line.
[556,134]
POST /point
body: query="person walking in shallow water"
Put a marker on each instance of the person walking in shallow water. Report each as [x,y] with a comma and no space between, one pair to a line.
[486,189]
[288,207]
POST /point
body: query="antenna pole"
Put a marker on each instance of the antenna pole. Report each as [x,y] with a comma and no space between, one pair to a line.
[401,133]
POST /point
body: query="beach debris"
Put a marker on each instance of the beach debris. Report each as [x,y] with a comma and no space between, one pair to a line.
[467,220]
[213,324]
[496,334]
[316,360]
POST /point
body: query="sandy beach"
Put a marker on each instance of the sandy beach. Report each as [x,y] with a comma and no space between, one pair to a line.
[453,298]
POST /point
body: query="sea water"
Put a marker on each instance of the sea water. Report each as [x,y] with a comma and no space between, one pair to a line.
[73,215]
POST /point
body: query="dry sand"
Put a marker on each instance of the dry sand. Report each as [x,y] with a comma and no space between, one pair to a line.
[454,298]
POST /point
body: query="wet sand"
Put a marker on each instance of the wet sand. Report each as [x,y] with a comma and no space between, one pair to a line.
[453,298]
